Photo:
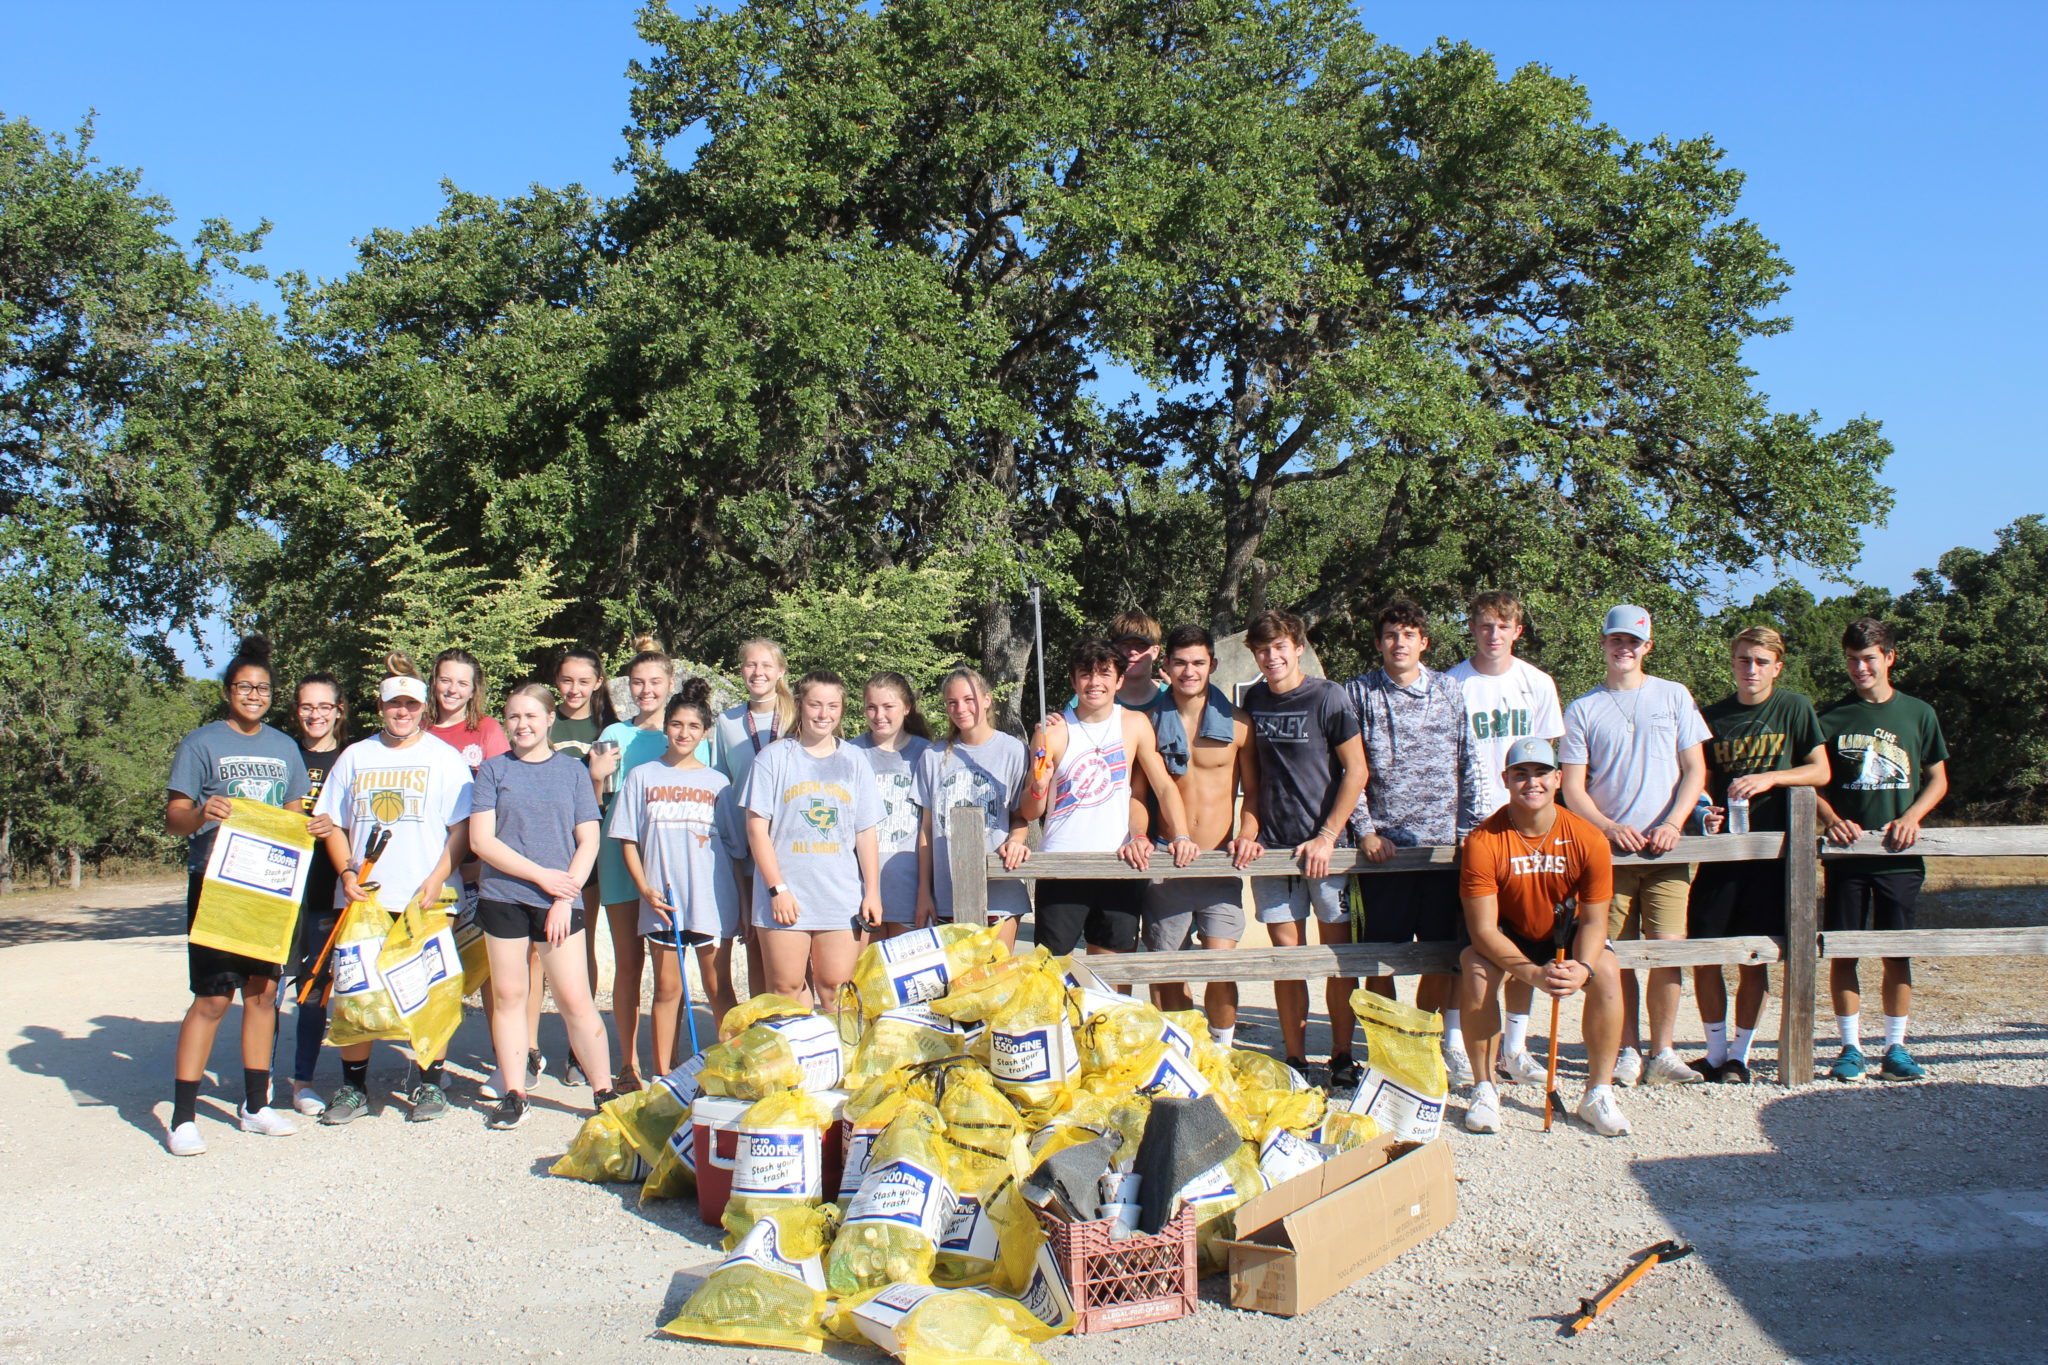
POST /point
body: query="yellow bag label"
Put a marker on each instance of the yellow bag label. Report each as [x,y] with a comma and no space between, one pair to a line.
[249,894]
[422,972]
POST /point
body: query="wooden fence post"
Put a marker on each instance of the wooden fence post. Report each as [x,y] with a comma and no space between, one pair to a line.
[1802,941]
[967,856]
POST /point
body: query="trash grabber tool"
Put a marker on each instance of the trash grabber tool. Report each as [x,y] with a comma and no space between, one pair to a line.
[1551,1101]
[373,848]
[1590,1309]
[675,929]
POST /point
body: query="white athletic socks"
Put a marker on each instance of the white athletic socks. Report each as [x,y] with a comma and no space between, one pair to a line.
[1717,1043]
[1515,1037]
[1594,1092]
[1850,1027]
[1895,1030]
[1454,1036]
[1224,1036]
[1738,1049]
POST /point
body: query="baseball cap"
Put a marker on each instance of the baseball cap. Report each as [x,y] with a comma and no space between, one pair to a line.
[398,686]
[1530,749]
[1627,620]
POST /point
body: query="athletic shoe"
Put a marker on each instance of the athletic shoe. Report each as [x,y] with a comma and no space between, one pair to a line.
[601,1098]
[510,1113]
[1599,1112]
[1709,1071]
[1458,1067]
[1526,1067]
[428,1103]
[267,1122]
[1849,1066]
[348,1105]
[1666,1068]
[1900,1066]
[307,1100]
[574,1076]
[1344,1072]
[1628,1067]
[1733,1073]
[489,1088]
[1482,1112]
[185,1140]
[536,1066]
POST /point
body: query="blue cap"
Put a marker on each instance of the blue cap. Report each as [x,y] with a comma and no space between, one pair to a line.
[1627,619]
[1530,749]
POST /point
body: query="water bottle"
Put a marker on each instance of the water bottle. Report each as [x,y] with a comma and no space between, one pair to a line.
[1699,812]
[1738,815]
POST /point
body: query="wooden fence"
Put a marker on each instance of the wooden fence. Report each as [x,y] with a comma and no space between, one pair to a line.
[1799,952]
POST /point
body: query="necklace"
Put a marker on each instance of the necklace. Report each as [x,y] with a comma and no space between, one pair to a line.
[1628,716]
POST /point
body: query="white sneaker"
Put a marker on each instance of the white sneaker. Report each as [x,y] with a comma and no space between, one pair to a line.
[1526,1067]
[1599,1112]
[307,1101]
[1628,1067]
[185,1140]
[1668,1068]
[489,1087]
[267,1122]
[1482,1111]
[1459,1067]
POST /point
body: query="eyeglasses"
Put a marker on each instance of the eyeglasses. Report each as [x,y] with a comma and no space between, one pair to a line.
[318,708]
[252,689]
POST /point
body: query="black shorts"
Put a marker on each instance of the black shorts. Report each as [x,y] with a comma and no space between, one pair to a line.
[1420,906]
[1873,894]
[510,919]
[1107,914]
[211,971]
[1564,929]
[1737,900]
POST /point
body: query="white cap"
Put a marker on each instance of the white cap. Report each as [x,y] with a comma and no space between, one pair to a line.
[1627,619]
[397,686]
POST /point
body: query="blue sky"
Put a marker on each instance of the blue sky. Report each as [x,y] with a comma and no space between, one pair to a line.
[1894,152]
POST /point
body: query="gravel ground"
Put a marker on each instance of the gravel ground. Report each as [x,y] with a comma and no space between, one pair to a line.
[1834,1224]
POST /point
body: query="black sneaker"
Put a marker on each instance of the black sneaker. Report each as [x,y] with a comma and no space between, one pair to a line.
[428,1103]
[601,1098]
[348,1105]
[1708,1070]
[1732,1073]
[510,1113]
[536,1066]
[1344,1072]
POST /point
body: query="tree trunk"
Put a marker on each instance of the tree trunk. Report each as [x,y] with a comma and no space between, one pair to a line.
[1245,517]
[6,855]
[77,880]
[1006,655]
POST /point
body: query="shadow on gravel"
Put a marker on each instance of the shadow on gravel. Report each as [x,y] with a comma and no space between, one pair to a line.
[123,1064]
[74,925]
[1891,1223]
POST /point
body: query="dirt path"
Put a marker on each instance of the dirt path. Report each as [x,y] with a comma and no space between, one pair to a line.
[1835,1224]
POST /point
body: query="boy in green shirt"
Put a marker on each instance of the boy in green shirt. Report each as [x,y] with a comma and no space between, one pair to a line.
[1888,768]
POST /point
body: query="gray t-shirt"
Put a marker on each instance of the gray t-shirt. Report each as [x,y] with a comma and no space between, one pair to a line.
[815,808]
[1629,741]
[988,775]
[539,806]
[219,760]
[895,786]
[689,829]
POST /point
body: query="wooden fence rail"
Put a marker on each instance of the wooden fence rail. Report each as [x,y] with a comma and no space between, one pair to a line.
[1800,951]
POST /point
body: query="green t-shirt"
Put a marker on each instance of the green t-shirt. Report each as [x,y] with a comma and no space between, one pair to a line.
[574,737]
[1878,754]
[1775,734]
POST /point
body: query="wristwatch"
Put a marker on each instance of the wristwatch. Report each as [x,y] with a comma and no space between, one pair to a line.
[777,889]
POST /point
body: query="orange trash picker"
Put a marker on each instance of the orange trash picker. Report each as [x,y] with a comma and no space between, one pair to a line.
[1590,1309]
[373,847]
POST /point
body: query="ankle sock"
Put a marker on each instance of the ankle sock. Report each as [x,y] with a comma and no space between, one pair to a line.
[1515,1036]
[1895,1030]
[431,1074]
[1594,1092]
[184,1102]
[1717,1042]
[255,1089]
[1850,1028]
[356,1074]
[1454,1036]
[1225,1037]
[1738,1049]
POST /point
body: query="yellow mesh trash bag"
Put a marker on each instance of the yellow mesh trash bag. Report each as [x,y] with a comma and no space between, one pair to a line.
[362,1010]
[900,1037]
[422,971]
[649,1117]
[254,878]
[770,1288]
[748,1013]
[894,1223]
[779,1160]
[675,1170]
[975,995]
[991,1229]
[1292,1111]
[1028,1045]
[1342,1130]
[788,1052]
[917,966]
[1216,1193]
[926,1325]
[1257,1071]
[1405,1084]
[600,1153]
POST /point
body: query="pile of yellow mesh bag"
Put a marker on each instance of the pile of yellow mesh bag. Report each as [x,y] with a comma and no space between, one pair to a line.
[885,1176]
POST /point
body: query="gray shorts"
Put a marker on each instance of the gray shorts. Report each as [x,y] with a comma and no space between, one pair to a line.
[1281,900]
[1210,906]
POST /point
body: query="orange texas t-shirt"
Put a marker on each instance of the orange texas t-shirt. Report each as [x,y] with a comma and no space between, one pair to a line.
[1531,877]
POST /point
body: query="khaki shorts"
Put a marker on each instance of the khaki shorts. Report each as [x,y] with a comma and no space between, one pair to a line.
[1649,900]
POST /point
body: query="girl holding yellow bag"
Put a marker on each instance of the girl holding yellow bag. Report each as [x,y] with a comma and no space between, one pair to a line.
[414,791]
[236,757]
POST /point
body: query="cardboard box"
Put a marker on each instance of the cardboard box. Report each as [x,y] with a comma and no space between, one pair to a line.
[1302,1241]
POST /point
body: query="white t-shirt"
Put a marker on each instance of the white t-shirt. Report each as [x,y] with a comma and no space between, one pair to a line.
[1500,710]
[416,792]
[1630,742]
